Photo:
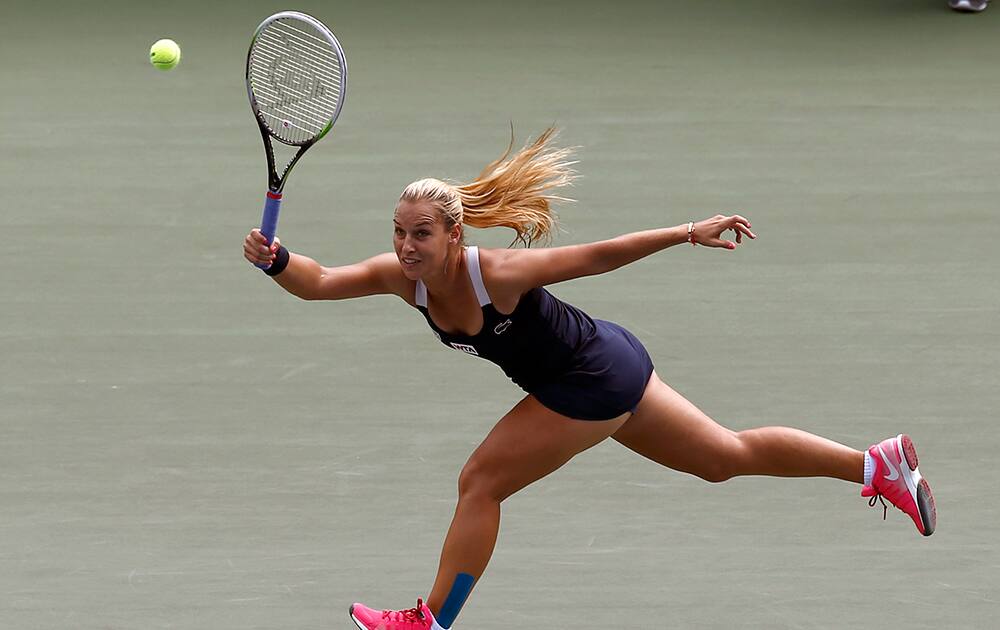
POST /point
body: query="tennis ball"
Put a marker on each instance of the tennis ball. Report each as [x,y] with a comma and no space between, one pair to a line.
[165,54]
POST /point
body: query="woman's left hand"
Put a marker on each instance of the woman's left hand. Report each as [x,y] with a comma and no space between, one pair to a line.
[709,232]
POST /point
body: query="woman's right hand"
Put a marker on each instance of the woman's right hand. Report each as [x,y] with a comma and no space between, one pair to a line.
[256,250]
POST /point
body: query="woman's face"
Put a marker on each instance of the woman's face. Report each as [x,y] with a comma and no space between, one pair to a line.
[420,239]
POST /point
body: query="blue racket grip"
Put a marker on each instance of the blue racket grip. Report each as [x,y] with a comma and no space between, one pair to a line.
[269,222]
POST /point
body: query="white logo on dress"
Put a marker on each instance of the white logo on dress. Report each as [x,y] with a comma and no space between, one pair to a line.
[502,327]
[464,348]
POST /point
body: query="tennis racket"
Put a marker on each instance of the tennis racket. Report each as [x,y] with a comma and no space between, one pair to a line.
[296,77]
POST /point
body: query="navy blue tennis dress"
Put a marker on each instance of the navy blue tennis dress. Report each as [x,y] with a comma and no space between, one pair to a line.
[583,368]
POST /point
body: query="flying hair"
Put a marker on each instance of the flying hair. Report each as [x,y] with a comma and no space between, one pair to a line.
[513,191]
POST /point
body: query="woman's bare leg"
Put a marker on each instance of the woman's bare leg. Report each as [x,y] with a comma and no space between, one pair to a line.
[669,430]
[527,444]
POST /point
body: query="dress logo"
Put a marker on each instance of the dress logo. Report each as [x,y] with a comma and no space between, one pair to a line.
[502,327]
[464,348]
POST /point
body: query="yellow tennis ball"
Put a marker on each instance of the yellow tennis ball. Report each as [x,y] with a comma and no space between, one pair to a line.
[165,54]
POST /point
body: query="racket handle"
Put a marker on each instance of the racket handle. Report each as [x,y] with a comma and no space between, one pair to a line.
[269,222]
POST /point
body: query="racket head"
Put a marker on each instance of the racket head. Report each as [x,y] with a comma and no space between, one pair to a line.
[296,77]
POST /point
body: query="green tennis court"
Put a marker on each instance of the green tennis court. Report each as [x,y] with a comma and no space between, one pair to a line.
[185,445]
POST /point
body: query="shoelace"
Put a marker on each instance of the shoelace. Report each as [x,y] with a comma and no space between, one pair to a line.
[410,614]
[885,508]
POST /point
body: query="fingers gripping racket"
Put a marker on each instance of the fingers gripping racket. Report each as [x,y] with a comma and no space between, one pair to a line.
[296,77]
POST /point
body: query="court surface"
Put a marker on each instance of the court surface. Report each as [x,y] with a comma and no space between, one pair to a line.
[183,445]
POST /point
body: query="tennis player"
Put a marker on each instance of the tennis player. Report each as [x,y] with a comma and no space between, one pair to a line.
[585,379]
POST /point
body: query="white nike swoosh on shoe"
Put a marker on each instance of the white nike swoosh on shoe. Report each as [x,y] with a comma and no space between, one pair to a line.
[894,473]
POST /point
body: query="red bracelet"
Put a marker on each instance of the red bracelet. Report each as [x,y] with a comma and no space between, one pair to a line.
[691,233]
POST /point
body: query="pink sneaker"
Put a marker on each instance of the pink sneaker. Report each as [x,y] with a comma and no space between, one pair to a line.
[895,477]
[419,618]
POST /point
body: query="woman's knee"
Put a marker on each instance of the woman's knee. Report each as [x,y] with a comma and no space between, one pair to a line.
[727,460]
[479,480]
[717,473]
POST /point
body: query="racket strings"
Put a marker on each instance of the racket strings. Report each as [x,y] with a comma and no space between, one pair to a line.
[294,117]
[281,164]
[296,77]
[310,46]
[306,49]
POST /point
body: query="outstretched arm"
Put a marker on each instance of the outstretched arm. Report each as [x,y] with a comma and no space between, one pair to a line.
[528,268]
[305,278]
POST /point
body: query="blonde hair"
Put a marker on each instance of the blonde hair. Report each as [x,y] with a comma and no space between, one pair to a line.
[512,191]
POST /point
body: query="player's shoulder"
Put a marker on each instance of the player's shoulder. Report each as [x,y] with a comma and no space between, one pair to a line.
[490,258]
[505,265]
[503,281]
[493,262]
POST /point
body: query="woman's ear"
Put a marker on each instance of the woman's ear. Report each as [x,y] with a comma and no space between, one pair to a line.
[456,233]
